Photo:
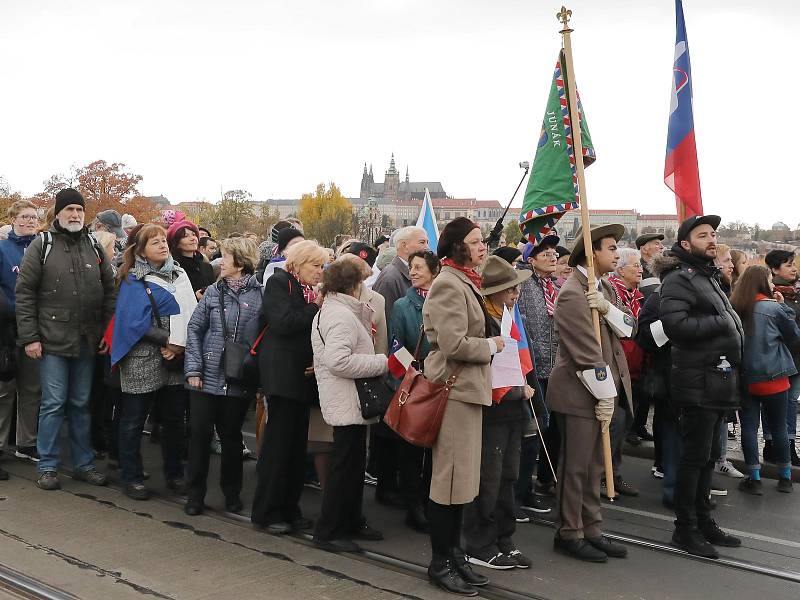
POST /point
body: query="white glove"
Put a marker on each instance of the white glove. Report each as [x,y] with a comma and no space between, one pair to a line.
[604,410]
[596,300]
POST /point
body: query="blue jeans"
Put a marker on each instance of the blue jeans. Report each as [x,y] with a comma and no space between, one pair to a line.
[774,408]
[66,387]
[134,409]
[791,411]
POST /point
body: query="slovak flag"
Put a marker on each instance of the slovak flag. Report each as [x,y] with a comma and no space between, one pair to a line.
[681,173]
[525,360]
[399,359]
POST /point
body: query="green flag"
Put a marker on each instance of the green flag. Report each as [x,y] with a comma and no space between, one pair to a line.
[553,184]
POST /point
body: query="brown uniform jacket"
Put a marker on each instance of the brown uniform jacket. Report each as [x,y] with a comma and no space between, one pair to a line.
[455,326]
[578,350]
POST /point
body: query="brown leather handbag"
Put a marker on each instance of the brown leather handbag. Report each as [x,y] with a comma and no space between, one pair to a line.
[416,410]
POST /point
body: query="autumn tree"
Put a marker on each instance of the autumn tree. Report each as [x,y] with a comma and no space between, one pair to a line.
[234,213]
[266,216]
[512,232]
[325,214]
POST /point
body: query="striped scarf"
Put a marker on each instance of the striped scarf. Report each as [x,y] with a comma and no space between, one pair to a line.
[422,293]
[308,291]
[550,293]
[631,299]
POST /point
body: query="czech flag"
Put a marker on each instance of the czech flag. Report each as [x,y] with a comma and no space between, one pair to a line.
[681,173]
[399,359]
[525,360]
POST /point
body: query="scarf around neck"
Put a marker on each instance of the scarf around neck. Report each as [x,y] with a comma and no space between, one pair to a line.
[236,285]
[497,313]
[472,274]
[632,299]
[142,268]
[308,292]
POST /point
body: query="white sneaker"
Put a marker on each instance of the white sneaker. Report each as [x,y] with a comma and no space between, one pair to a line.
[726,468]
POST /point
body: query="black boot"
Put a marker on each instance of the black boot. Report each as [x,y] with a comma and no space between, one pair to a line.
[416,519]
[793,454]
[465,569]
[443,572]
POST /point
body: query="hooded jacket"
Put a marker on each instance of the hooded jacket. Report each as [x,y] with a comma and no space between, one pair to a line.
[703,327]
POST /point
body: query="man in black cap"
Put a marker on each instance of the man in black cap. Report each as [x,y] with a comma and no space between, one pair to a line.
[65,297]
[650,246]
[707,338]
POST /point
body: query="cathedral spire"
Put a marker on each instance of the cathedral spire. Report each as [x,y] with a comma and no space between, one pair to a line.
[365,168]
[406,173]
[392,168]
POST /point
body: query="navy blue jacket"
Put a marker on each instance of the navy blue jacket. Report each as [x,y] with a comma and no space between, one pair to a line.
[11,251]
[767,353]
[205,341]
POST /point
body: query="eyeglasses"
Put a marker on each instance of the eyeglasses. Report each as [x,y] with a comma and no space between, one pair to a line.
[27,217]
[549,254]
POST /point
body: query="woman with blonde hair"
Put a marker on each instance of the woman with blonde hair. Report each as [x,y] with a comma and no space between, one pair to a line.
[285,362]
[154,305]
[739,265]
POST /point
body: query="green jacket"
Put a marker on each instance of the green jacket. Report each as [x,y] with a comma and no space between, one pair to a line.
[70,297]
[406,322]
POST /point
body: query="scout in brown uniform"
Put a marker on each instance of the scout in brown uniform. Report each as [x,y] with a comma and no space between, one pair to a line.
[582,393]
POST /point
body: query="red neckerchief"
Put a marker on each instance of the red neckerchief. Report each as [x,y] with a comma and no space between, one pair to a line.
[632,299]
[760,297]
[472,274]
[308,292]
[549,293]
[422,293]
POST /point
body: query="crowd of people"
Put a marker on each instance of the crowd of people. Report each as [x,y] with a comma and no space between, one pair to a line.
[116,324]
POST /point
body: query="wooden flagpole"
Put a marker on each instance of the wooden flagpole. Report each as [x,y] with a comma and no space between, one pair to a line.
[577,143]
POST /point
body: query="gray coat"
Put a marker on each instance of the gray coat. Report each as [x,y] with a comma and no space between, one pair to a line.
[69,298]
[205,341]
[539,325]
[392,283]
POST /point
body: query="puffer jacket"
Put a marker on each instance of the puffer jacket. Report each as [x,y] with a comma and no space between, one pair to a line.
[703,327]
[68,298]
[205,340]
[539,325]
[767,354]
[343,351]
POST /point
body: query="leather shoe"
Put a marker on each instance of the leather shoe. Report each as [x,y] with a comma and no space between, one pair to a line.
[693,542]
[302,524]
[177,486]
[390,499]
[367,533]
[340,545]
[193,508]
[613,550]
[625,488]
[579,548]
[416,519]
[465,569]
[234,505]
[443,572]
[278,528]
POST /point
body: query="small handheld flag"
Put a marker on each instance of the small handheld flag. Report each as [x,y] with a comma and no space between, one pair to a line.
[681,173]
[427,220]
[399,359]
[553,185]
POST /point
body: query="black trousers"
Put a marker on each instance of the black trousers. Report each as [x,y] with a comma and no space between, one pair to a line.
[227,414]
[489,520]
[552,439]
[445,520]
[384,448]
[641,406]
[343,496]
[281,462]
[700,448]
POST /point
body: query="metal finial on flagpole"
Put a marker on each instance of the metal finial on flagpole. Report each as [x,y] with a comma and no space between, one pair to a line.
[563,16]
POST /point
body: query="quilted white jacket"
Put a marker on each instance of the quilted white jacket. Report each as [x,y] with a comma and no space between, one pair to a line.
[347,353]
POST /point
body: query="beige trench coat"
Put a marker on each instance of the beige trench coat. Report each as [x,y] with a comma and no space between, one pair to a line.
[455,326]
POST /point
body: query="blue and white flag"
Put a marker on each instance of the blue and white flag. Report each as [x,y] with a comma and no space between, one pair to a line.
[427,220]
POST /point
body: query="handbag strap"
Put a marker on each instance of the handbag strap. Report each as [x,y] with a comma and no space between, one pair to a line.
[153,306]
[221,287]
[254,347]
[419,342]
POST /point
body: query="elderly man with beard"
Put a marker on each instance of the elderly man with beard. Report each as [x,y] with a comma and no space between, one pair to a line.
[65,296]
[707,339]
[650,246]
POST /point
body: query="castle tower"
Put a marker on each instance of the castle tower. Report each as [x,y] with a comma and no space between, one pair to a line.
[391,182]
[366,187]
[406,173]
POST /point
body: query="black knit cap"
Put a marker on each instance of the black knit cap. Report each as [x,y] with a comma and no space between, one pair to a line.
[363,251]
[455,231]
[287,235]
[66,197]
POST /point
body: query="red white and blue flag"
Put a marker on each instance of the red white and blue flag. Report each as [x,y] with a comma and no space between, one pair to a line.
[681,173]
[525,360]
[399,359]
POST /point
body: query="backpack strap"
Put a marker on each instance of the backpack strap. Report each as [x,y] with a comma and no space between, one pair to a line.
[47,245]
[98,249]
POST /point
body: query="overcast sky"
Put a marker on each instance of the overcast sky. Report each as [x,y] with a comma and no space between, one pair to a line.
[274,96]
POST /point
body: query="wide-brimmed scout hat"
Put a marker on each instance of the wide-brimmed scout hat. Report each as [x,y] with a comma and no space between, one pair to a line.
[499,275]
[598,233]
